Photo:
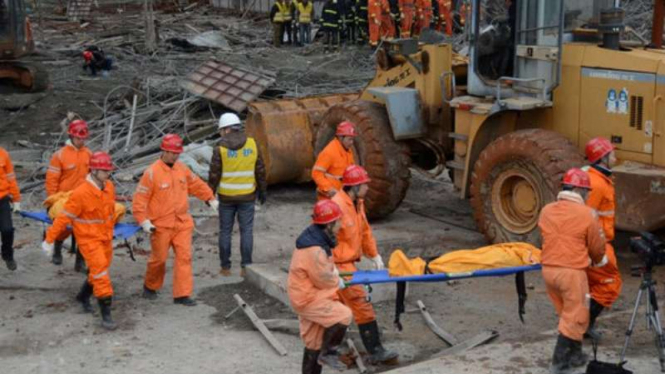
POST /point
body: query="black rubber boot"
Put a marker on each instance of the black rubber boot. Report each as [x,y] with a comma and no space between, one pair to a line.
[57,253]
[7,238]
[561,357]
[332,338]
[310,364]
[149,294]
[594,311]
[79,266]
[105,307]
[369,333]
[186,301]
[577,357]
[83,297]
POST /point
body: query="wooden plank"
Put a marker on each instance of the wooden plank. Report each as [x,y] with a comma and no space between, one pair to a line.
[291,326]
[441,333]
[260,326]
[477,340]
[359,361]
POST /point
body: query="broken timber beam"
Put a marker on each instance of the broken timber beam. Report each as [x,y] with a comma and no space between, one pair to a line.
[260,326]
[473,342]
[441,333]
[359,361]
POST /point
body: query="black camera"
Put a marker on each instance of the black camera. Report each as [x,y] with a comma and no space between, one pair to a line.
[650,248]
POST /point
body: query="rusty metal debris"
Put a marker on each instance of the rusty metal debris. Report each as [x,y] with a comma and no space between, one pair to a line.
[227,85]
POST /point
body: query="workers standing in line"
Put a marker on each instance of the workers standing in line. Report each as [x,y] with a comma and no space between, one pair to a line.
[331,25]
[313,285]
[90,211]
[67,170]
[333,160]
[604,282]
[10,202]
[407,12]
[295,26]
[443,21]
[362,24]
[305,13]
[277,13]
[161,206]
[387,29]
[350,27]
[395,18]
[374,18]
[354,240]
[571,235]
[238,174]
[424,12]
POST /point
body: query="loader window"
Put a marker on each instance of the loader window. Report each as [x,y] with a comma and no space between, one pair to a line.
[495,45]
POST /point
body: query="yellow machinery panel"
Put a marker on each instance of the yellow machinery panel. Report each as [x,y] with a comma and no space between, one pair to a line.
[618,105]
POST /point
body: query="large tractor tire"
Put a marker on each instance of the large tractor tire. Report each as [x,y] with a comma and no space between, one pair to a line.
[386,160]
[514,177]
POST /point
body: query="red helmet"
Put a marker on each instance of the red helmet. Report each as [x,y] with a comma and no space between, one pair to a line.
[101,161]
[172,143]
[346,128]
[577,178]
[598,148]
[326,211]
[78,129]
[87,55]
[355,175]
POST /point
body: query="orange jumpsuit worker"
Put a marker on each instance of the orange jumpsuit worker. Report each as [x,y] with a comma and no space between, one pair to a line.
[424,15]
[161,206]
[380,23]
[604,282]
[407,13]
[355,239]
[66,171]
[444,17]
[571,235]
[333,160]
[312,286]
[90,212]
[10,201]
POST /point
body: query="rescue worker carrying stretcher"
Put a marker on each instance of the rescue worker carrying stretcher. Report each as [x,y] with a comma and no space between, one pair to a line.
[161,206]
[10,202]
[333,160]
[67,170]
[572,240]
[354,240]
[90,212]
[604,282]
[313,285]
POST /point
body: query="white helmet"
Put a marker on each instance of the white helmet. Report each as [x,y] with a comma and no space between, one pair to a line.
[228,120]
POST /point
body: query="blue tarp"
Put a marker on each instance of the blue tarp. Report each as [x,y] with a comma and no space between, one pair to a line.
[120,231]
[382,276]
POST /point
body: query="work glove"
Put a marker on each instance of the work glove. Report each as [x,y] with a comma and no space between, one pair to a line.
[342,285]
[213,204]
[378,262]
[47,248]
[148,227]
[262,197]
[602,262]
[16,207]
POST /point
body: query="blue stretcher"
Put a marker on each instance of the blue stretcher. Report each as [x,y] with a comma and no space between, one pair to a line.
[122,231]
[367,278]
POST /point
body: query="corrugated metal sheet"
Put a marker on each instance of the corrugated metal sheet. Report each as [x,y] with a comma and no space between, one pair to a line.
[78,10]
[232,87]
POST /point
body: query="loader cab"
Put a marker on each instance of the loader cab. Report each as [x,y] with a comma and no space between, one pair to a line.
[15,34]
[514,53]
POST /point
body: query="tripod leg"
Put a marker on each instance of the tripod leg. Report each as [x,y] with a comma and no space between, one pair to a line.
[631,326]
[657,326]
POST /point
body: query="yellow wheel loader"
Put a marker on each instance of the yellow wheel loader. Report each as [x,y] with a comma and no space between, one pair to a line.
[541,80]
[16,42]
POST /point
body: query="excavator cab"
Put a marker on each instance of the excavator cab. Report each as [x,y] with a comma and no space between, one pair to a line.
[515,51]
[15,42]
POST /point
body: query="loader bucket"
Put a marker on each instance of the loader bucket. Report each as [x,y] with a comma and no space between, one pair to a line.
[285,131]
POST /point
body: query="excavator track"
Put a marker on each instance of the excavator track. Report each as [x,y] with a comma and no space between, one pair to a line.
[24,76]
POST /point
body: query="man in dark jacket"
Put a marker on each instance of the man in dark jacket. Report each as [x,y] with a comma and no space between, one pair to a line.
[238,175]
[331,25]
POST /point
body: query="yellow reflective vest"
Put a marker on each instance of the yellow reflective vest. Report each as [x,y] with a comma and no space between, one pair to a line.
[305,12]
[238,169]
[283,10]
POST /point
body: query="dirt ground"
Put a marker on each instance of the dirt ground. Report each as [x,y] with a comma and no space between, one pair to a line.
[43,331]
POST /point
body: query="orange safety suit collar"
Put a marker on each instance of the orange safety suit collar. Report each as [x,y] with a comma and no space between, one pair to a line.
[330,165]
[355,236]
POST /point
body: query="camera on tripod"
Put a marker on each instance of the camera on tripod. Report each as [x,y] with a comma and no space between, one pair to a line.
[650,248]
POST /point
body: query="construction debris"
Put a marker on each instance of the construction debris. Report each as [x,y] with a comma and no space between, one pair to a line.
[260,326]
[441,333]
